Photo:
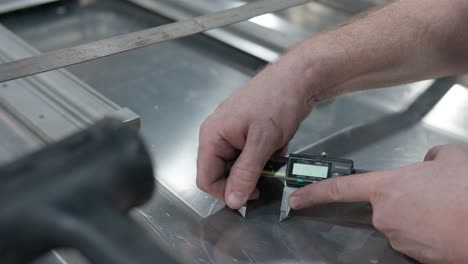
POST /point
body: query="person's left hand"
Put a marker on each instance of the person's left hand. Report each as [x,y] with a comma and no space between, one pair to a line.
[421,208]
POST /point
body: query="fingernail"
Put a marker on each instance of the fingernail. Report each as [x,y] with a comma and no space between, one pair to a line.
[295,202]
[236,200]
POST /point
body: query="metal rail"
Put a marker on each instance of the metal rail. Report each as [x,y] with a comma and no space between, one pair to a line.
[102,48]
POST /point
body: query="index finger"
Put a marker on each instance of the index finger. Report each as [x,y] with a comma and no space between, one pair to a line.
[352,188]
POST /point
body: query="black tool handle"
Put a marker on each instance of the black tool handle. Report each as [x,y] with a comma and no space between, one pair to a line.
[77,193]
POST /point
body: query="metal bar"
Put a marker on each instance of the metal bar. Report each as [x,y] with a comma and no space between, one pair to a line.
[102,48]
[262,42]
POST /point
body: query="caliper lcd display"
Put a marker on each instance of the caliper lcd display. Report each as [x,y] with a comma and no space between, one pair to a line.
[310,170]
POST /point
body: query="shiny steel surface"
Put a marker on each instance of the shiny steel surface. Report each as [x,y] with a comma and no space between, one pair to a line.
[173,86]
[102,48]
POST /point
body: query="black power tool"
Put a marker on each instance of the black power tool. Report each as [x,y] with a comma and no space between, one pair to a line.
[77,194]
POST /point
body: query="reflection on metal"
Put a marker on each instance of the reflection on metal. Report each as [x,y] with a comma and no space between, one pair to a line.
[102,48]
[12,5]
[50,106]
[446,115]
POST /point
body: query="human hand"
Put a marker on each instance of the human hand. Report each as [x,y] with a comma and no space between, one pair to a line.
[421,208]
[249,127]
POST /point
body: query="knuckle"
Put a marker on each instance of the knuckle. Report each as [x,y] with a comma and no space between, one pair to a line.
[266,132]
[210,122]
[396,245]
[202,184]
[259,134]
[378,223]
[379,190]
[426,255]
[335,191]
[244,176]
[205,126]
[203,134]
[222,105]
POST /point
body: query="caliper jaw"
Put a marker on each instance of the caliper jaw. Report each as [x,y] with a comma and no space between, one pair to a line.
[285,209]
[275,169]
[243,210]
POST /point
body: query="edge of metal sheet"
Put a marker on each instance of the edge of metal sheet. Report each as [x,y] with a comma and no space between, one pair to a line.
[13,5]
[54,104]
[262,42]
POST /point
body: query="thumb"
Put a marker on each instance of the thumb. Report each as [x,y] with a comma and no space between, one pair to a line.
[244,174]
[353,188]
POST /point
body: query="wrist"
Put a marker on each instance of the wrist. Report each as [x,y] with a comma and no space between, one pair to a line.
[324,67]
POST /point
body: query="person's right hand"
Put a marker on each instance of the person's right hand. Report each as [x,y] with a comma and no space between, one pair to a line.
[421,208]
[250,126]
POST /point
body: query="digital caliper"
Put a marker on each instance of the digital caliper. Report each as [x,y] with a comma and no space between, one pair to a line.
[299,170]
